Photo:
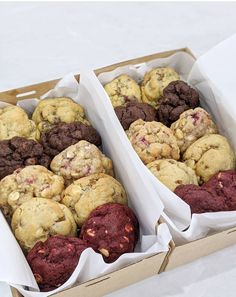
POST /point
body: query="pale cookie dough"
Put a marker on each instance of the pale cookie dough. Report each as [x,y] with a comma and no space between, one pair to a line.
[38,219]
[209,155]
[192,125]
[123,89]
[172,173]
[87,193]
[27,183]
[79,160]
[14,121]
[52,111]
[154,82]
[152,141]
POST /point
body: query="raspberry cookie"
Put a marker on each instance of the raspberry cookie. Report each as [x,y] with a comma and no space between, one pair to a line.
[19,152]
[192,125]
[53,261]
[209,155]
[152,141]
[52,111]
[172,173]
[79,160]
[177,97]
[112,229]
[154,83]
[123,89]
[133,111]
[63,135]
[38,219]
[25,184]
[87,193]
[14,121]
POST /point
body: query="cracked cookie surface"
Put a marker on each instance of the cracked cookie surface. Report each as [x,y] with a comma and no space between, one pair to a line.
[152,141]
[87,193]
[38,219]
[123,89]
[79,160]
[172,173]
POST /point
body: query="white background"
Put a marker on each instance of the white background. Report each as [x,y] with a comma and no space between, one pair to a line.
[42,41]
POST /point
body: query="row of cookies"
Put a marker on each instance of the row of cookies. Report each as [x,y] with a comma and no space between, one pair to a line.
[177,140]
[79,190]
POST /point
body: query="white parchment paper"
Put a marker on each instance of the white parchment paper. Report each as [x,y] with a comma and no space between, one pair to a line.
[176,212]
[91,265]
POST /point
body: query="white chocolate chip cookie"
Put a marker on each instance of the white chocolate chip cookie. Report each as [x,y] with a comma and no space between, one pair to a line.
[79,160]
[152,141]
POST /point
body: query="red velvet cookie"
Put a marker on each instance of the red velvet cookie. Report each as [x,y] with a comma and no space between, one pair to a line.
[112,229]
[54,260]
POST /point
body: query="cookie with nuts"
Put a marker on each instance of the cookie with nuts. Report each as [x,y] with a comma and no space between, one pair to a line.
[53,261]
[112,229]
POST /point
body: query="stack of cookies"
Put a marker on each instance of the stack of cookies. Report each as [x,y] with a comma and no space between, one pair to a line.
[57,190]
[176,139]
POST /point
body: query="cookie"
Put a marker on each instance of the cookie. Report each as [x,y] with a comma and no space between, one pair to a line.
[87,193]
[38,219]
[154,83]
[25,184]
[19,152]
[63,135]
[112,229]
[172,173]
[217,194]
[79,160]
[52,111]
[178,97]
[152,141]
[192,125]
[14,121]
[53,261]
[122,90]
[208,155]
[133,111]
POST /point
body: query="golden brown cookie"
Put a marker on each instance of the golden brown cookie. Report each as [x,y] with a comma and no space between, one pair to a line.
[14,121]
[172,173]
[209,155]
[79,160]
[38,219]
[87,193]
[52,111]
[152,141]
[154,82]
[192,125]
[123,89]
[27,183]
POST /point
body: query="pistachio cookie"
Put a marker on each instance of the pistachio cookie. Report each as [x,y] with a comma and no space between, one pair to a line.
[192,125]
[172,173]
[209,155]
[52,111]
[154,83]
[152,141]
[38,219]
[14,121]
[79,160]
[27,183]
[122,90]
[87,193]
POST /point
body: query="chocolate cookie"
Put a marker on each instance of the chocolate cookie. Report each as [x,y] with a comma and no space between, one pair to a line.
[19,152]
[178,96]
[53,261]
[112,229]
[63,135]
[133,111]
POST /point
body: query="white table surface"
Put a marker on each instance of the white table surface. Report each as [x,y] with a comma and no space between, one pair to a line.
[42,41]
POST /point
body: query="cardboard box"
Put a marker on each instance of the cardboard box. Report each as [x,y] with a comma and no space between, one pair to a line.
[148,267]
